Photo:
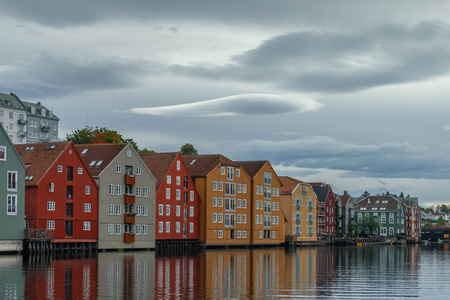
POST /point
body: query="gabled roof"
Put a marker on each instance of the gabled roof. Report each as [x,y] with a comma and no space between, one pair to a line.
[39,109]
[321,192]
[378,204]
[344,199]
[38,158]
[252,167]
[104,153]
[10,146]
[410,201]
[158,164]
[202,165]
[288,184]
[11,101]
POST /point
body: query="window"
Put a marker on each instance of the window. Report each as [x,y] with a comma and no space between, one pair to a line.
[138,172]
[51,187]
[220,234]
[257,219]
[267,193]
[87,190]
[214,185]
[144,229]
[244,219]
[178,165]
[51,205]
[161,227]
[222,170]
[138,191]
[128,153]
[239,188]
[239,219]
[215,201]
[244,203]
[110,209]
[230,173]
[86,226]
[220,186]
[161,209]
[178,194]
[178,178]
[118,228]
[167,193]
[244,188]
[220,218]
[267,178]
[220,202]
[145,211]
[244,234]
[167,227]
[110,229]
[118,189]
[138,229]
[87,207]
[167,210]
[118,209]
[2,153]
[191,211]
[230,189]
[118,169]
[50,224]
[169,179]
[145,191]
[111,189]
[138,210]
[192,196]
[12,181]
[257,190]
[239,201]
[60,169]
[69,173]
[260,234]
[178,210]
[177,227]
[214,218]
[80,171]
[191,227]
[238,173]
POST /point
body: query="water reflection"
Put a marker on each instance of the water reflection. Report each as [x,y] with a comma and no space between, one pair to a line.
[312,272]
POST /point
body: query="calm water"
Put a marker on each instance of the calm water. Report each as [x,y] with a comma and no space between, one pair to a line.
[385,272]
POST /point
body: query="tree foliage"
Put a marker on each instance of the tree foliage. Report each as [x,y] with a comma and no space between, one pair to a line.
[98,135]
[188,149]
[365,194]
[367,225]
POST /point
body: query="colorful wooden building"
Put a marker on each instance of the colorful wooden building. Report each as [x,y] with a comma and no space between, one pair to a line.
[126,196]
[60,193]
[268,222]
[177,202]
[224,190]
[326,211]
[12,196]
[298,203]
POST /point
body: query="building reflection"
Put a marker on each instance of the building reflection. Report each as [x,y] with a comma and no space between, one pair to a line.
[300,271]
[126,275]
[11,277]
[60,278]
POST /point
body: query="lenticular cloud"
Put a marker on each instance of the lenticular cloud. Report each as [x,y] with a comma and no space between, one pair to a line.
[245,104]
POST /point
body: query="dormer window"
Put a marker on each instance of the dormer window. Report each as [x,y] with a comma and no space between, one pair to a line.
[84,151]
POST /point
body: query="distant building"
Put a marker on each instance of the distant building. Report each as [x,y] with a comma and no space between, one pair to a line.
[412,217]
[12,196]
[346,213]
[27,122]
[326,211]
[42,124]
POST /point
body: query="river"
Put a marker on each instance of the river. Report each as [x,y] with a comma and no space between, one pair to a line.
[369,272]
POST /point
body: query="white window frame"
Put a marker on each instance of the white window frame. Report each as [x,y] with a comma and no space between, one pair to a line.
[51,205]
[14,182]
[111,189]
[145,210]
[11,209]
[86,226]
[87,190]
[111,209]
[117,229]
[51,224]
[110,229]
[87,207]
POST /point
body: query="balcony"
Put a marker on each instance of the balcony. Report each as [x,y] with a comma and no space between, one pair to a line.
[22,122]
[45,128]
[22,133]
[130,179]
[129,218]
[130,199]
[128,238]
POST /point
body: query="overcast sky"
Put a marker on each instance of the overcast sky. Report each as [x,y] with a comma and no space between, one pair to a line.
[354,93]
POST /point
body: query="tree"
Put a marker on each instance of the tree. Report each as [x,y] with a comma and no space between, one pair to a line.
[98,135]
[145,150]
[401,195]
[188,149]
[345,192]
[445,208]
[365,194]
[367,225]
[440,221]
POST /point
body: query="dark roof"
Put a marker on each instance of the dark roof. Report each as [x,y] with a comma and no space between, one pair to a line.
[321,192]
[38,110]
[11,101]
[387,202]
[252,167]
[410,201]
[202,165]
[158,164]
[38,158]
[99,152]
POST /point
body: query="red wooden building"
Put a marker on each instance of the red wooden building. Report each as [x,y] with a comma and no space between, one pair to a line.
[60,192]
[177,201]
[326,211]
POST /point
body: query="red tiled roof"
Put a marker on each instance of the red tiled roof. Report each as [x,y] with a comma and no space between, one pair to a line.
[202,165]
[99,152]
[158,164]
[252,167]
[288,184]
[344,199]
[38,158]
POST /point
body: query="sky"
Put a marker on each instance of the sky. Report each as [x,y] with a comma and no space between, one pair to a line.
[352,93]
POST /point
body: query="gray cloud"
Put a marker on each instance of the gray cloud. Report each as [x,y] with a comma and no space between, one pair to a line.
[247,104]
[325,61]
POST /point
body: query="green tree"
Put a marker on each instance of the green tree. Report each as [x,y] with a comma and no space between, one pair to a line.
[440,221]
[188,149]
[145,150]
[352,229]
[345,192]
[98,135]
[367,225]
[365,194]
[401,195]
